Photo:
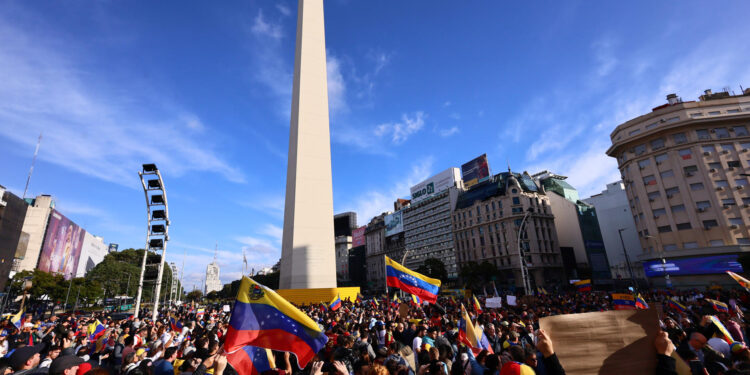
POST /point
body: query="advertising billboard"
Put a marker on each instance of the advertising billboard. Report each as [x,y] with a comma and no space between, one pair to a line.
[475,171]
[113,247]
[434,184]
[92,253]
[62,246]
[693,266]
[394,223]
[358,236]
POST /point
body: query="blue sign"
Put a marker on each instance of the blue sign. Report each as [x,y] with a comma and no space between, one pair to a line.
[693,266]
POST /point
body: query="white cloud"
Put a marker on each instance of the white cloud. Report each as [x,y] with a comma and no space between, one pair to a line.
[604,56]
[270,204]
[455,115]
[449,132]
[283,9]
[261,27]
[399,132]
[336,84]
[447,103]
[273,231]
[89,129]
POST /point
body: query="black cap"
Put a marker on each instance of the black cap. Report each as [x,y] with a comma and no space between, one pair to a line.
[62,363]
[19,357]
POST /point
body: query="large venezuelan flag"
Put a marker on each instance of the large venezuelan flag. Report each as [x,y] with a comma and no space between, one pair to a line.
[400,277]
[18,319]
[583,285]
[623,301]
[468,334]
[264,319]
[252,360]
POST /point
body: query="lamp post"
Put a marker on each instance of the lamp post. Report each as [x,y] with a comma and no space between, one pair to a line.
[70,283]
[627,258]
[522,261]
[667,281]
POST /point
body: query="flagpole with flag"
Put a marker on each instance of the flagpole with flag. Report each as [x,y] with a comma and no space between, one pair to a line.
[411,282]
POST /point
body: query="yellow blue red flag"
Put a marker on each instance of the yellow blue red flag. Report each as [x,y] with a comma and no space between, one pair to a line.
[400,277]
[740,280]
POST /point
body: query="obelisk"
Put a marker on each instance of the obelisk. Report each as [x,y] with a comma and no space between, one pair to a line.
[308,259]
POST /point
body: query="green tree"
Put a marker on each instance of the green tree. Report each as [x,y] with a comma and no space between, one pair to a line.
[270,280]
[195,295]
[119,272]
[434,268]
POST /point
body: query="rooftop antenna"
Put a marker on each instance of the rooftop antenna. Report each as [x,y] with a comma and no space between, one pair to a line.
[244,263]
[508,166]
[33,161]
[216,249]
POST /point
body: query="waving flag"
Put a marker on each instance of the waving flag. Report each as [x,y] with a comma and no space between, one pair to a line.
[264,319]
[359,298]
[623,301]
[718,305]
[740,280]
[200,312]
[335,304]
[676,305]
[175,324]
[724,333]
[400,277]
[18,319]
[477,306]
[468,334]
[583,285]
[640,303]
[416,300]
[251,360]
[96,330]
[494,288]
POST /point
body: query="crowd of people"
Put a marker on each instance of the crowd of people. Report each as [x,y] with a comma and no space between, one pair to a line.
[373,336]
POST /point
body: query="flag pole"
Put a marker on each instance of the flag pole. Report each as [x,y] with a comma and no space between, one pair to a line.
[385,269]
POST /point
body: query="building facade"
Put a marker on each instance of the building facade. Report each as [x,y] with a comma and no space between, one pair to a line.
[343,246]
[618,232]
[12,214]
[577,229]
[486,223]
[213,282]
[379,245]
[34,228]
[684,165]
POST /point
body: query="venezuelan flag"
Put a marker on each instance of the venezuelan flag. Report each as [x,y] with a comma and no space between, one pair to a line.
[468,334]
[17,319]
[96,330]
[400,277]
[740,280]
[718,305]
[640,303]
[251,360]
[175,324]
[335,304]
[416,300]
[200,312]
[583,285]
[263,318]
[726,335]
[623,301]
[396,299]
[359,298]
[676,305]
[477,306]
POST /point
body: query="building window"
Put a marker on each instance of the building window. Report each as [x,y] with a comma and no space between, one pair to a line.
[678,208]
[714,165]
[690,245]
[672,191]
[653,195]
[714,113]
[667,173]
[743,241]
[660,158]
[649,180]
[684,226]
[704,205]
[696,186]
[657,144]
[634,132]
[703,134]
[659,212]
[716,242]
[721,183]
[686,154]
[670,247]
[644,163]
[664,229]
[745,145]
[735,221]
[652,125]
[708,148]
[679,138]
[690,169]
[727,147]
[734,164]
[708,224]
[728,202]
[696,114]
[741,182]
[740,131]
[722,132]
[516,200]
[640,149]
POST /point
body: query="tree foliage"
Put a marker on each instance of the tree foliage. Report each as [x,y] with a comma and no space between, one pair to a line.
[195,295]
[119,272]
[434,268]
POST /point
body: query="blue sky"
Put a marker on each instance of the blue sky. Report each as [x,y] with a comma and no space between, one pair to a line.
[203,90]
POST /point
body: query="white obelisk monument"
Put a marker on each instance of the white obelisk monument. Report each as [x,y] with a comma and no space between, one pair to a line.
[307,250]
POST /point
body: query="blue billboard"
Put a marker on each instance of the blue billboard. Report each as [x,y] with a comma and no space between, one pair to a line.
[693,266]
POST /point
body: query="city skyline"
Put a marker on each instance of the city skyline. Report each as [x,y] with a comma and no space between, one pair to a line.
[205,94]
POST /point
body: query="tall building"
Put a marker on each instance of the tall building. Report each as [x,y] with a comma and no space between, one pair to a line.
[383,241]
[32,238]
[427,221]
[618,231]
[486,223]
[308,244]
[212,282]
[685,168]
[344,225]
[577,229]
[12,214]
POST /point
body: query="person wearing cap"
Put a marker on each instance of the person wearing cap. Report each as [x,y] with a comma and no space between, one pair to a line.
[25,360]
[65,365]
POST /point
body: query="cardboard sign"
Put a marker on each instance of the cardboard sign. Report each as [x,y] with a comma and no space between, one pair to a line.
[495,302]
[226,308]
[403,310]
[609,342]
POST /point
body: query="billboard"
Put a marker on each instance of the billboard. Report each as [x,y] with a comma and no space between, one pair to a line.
[358,236]
[113,247]
[693,266]
[435,184]
[92,253]
[62,246]
[475,171]
[394,223]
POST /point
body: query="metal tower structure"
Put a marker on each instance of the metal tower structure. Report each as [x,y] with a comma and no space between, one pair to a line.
[157,229]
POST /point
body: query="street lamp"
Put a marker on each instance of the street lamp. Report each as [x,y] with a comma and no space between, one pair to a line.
[627,258]
[667,281]
[522,261]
